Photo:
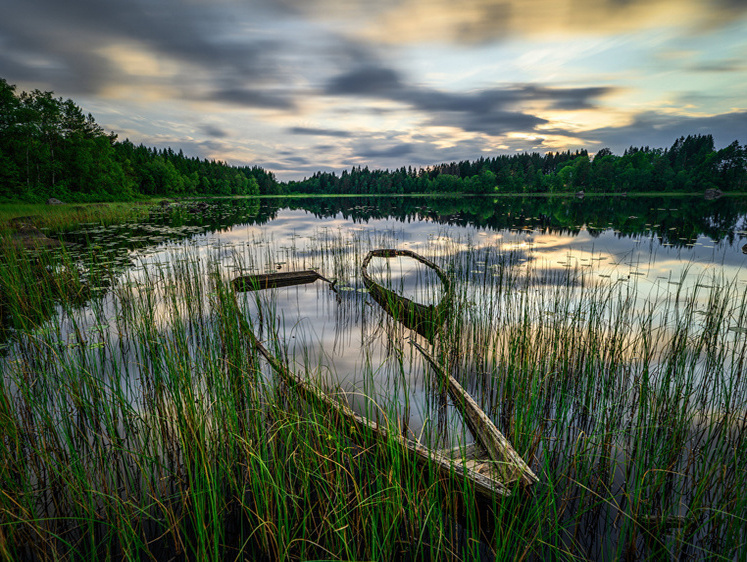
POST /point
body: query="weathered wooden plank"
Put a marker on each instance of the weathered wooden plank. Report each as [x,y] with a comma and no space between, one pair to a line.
[500,450]
[274,280]
[471,452]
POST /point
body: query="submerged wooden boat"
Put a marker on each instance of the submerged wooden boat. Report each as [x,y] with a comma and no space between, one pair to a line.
[490,479]
[424,319]
[508,463]
[491,466]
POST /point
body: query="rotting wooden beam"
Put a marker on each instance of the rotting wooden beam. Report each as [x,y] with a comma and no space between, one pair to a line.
[509,462]
[274,280]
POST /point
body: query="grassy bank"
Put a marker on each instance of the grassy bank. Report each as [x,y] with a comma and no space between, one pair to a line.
[142,425]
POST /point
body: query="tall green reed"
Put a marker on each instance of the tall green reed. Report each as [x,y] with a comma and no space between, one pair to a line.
[144,425]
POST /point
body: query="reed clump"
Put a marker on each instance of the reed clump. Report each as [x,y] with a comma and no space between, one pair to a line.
[632,404]
[140,423]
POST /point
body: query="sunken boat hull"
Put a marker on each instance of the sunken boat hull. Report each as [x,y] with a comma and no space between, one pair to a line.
[426,320]
[492,468]
[463,465]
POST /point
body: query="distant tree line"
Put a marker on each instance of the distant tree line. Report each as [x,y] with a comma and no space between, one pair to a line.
[691,164]
[674,220]
[50,149]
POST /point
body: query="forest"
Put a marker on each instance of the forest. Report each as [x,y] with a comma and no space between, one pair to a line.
[691,164]
[49,148]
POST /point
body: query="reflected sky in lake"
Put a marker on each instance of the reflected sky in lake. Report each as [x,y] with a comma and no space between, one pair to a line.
[645,256]
[344,338]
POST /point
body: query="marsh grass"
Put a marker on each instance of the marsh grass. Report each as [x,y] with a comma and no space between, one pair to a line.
[143,426]
[60,218]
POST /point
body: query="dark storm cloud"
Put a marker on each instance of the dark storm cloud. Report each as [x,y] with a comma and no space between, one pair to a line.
[319,132]
[66,37]
[491,111]
[660,130]
[213,131]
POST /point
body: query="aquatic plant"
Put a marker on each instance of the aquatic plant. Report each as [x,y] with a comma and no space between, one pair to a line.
[143,425]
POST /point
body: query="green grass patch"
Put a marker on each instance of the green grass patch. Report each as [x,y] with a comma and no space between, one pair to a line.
[65,217]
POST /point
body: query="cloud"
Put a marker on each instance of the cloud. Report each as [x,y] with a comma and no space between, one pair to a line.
[369,81]
[319,132]
[85,47]
[230,79]
[499,99]
[661,129]
[720,66]
[496,123]
[493,111]
[66,65]
[179,29]
[252,98]
[213,131]
[298,160]
[472,22]
[396,151]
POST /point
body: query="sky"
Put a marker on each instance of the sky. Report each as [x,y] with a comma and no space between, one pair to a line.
[299,86]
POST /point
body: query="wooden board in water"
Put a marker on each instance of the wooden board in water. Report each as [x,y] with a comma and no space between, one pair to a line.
[274,280]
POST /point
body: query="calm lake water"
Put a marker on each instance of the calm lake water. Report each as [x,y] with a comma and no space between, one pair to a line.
[661,245]
[655,251]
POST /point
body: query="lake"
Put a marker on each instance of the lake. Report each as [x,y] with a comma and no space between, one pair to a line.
[605,336]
